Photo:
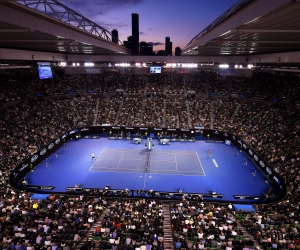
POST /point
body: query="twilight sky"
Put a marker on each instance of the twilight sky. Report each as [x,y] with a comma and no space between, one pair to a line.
[179,19]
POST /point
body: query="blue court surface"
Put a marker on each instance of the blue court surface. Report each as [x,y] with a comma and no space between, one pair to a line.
[155,162]
[244,208]
[122,164]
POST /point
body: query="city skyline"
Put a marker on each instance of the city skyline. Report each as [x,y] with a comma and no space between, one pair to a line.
[157,19]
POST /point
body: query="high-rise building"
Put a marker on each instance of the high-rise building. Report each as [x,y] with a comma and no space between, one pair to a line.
[177,51]
[160,53]
[128,44]
[168,46]
[135,34]
[115,36]
[146,49]
[167,42]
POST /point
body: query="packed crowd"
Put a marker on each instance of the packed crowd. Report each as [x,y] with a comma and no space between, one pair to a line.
[175,85]
[196,82]
[274,226]
[55,223]
[42,111]
[131,224]
[204,225]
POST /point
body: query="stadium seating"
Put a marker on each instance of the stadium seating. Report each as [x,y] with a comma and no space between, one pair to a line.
[264,112]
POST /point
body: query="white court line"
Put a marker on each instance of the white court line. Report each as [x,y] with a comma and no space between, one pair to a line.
[96,159]
[161,161]
[163,170]
[174,152]
[124,149]
[146,160]
[119,172]
[161,152]
[120,160]
[154,173]
[174,170]
[201,164]
[158,152]
[118,169]
[133,159]
[152,152]
[176,163]
[174,173]
[185,153]
[145,181]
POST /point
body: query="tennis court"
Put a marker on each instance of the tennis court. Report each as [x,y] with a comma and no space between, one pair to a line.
[145,161]
[121,164]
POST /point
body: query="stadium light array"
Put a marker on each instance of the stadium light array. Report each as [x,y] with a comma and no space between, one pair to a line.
[224,66]
[238,66]
[171,65]
[62,64]
[189,65]
[183,65]
[122,64]
[89,64]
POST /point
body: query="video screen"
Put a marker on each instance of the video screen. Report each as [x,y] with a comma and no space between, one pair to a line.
[44,70]
[155,69]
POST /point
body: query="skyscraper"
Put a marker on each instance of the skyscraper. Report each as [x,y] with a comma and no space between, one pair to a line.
[115,36]
[135,34]
[168,47]
[177,51]
[146,49]
[128,44]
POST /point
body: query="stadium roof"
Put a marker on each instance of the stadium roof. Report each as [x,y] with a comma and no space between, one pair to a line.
[251,27]
[49,26]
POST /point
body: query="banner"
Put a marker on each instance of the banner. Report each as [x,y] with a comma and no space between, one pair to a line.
[40,187]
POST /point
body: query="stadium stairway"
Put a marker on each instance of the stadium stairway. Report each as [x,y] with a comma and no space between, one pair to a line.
[246,234]
[75,109]
[146,83]
[144,104]
[236,111]
[168,239]
[126,84]
[96,112]
[212,115]
[119,112]
[256,245]
[164,114]
[89,235]
[188,113]
[229,89]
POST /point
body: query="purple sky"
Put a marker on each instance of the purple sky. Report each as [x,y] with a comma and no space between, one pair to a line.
[179,19]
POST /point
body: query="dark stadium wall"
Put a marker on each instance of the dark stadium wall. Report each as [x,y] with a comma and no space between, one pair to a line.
[244,73]
[82,70]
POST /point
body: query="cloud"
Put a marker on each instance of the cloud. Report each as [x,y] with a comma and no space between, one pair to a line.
[142,33]
[111,26]
[155,43]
